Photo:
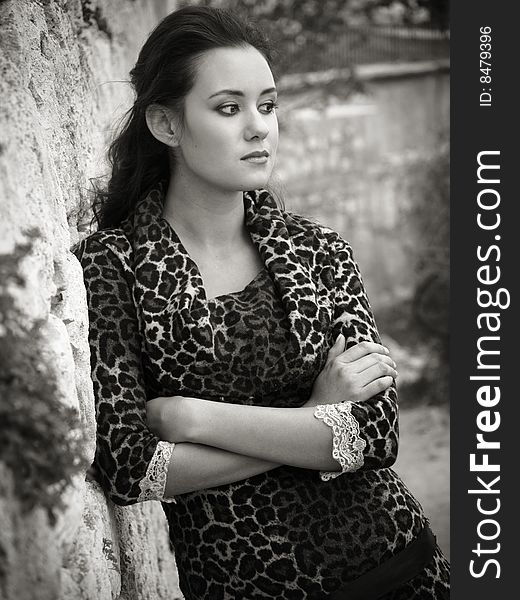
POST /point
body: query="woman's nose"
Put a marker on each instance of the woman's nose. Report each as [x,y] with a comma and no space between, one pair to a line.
[256,126]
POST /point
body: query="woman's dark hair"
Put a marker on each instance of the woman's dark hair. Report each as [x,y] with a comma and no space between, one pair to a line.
[164,73]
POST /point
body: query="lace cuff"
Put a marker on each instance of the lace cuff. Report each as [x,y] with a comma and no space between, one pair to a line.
[153,483]
[347,444]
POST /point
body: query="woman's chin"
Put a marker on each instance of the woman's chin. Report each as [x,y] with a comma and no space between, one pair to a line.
[255,183]
[245,182]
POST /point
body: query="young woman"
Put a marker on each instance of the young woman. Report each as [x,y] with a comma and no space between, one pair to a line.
[238,373]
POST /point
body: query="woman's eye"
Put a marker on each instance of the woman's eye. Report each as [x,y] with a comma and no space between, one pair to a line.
[268,107]
[232,109]
[228,109]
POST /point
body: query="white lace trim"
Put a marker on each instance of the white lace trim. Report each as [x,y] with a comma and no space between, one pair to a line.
[347,444]
[153,483]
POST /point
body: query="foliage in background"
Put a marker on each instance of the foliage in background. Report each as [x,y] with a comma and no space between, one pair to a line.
[312,35]
[310,17]
[41,439]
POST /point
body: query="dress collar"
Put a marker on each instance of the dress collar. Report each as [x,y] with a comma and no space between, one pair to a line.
[169,288]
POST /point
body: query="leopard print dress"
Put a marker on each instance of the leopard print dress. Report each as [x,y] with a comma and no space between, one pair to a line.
[289,533]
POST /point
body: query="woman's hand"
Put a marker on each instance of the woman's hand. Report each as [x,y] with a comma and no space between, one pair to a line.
[170,417]
[356,374]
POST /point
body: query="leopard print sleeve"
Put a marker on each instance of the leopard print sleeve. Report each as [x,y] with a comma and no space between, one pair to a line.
[131,461]
[374,422]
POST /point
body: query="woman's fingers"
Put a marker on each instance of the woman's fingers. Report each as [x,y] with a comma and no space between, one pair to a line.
[356,374]
[377,386]
[369,360]
[362,349]
[376,371]
[337,348]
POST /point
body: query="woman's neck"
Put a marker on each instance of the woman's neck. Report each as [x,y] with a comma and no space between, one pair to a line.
[209,218]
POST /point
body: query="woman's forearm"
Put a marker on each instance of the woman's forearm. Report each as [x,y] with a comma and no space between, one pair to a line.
[291,436]
[197,467]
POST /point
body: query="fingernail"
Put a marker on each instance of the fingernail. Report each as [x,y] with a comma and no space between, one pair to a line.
[386,350]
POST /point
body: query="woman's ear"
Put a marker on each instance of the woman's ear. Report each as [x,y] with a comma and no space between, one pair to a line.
[162,124]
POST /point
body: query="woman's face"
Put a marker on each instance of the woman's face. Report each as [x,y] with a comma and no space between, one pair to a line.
[228,114]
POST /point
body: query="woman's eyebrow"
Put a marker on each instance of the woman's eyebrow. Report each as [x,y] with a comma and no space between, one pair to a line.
[239,93]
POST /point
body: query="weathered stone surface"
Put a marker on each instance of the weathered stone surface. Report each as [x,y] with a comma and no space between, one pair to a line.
[63,67]
[90,566]
[151,574]
[30,559]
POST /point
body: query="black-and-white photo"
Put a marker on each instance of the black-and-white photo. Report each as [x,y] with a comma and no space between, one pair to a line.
[224,300]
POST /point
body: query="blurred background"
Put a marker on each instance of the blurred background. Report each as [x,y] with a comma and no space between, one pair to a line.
[364,149]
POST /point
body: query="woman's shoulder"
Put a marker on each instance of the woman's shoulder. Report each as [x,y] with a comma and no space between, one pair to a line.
[103,239]
[312,233]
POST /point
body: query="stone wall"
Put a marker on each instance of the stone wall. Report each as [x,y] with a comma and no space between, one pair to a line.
[62,69]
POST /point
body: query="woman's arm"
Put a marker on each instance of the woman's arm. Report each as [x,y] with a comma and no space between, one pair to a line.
[292,436]
[377,418]
[197,467]
[128,455]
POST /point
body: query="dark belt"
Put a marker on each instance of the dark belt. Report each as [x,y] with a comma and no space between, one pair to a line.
[395,571]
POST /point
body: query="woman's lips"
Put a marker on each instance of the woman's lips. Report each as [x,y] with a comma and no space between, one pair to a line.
[256,154]
[256,159]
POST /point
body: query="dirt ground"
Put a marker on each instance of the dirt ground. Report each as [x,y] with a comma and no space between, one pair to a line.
[424,464]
